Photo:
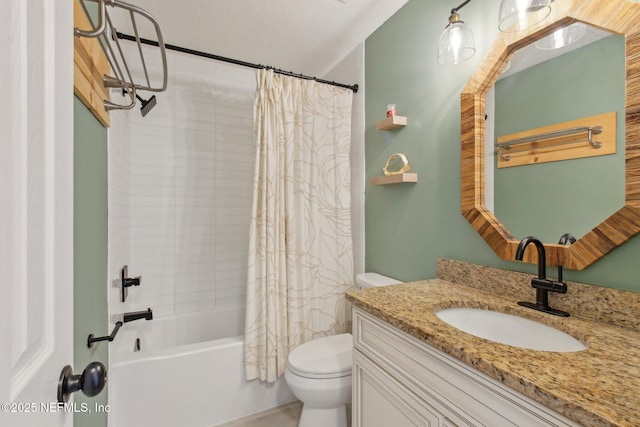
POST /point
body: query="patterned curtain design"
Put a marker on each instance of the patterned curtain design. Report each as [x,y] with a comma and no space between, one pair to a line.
[300,250]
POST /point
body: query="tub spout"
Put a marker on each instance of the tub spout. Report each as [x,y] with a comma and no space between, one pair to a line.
[135,315]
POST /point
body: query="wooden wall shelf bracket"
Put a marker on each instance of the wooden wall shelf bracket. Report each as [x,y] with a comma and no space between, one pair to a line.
[391,123]
[394,179]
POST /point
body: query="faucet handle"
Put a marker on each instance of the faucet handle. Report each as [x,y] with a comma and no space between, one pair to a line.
[132,281]
[126,282]
[549,285]
[564,239]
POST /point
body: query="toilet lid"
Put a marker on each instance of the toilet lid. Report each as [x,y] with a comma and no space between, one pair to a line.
[328,357]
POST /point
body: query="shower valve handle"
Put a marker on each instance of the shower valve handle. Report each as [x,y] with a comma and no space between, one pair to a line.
[131,281]
[126,282]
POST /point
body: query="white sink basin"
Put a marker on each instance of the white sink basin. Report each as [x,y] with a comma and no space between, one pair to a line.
[508,329]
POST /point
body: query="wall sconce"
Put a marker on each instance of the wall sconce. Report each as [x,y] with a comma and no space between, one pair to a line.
[517,15]
[456,42]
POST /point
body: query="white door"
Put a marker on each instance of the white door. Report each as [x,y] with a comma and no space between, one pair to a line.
[36,209]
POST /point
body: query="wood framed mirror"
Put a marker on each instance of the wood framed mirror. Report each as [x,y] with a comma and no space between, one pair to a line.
[620,17]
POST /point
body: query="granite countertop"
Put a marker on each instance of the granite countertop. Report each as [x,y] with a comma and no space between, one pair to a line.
[599,386]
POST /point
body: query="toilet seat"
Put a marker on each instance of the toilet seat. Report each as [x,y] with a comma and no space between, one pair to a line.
[328,357]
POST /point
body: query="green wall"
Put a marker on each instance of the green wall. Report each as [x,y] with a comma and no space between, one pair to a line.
[90,252]
[573,84]
[408,226]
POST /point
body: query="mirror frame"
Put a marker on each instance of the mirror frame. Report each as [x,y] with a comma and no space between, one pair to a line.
[621,17]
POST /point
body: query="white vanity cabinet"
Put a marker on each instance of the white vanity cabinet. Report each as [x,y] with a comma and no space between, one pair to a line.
[400,381]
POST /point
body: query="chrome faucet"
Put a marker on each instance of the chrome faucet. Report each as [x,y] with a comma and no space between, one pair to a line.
[135,315]
[542,285]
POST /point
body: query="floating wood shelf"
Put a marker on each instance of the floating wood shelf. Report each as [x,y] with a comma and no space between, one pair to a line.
[394,179]
[390,123]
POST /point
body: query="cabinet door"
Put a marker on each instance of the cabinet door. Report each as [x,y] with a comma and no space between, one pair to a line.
[380,401]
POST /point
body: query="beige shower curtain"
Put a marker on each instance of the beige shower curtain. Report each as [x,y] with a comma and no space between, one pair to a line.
[300,255]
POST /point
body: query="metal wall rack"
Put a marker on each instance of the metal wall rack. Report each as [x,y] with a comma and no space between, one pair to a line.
[588,130]
[122,78]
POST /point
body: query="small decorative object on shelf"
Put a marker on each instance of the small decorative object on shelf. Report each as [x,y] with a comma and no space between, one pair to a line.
[405,165]
[395,177]
[391,110]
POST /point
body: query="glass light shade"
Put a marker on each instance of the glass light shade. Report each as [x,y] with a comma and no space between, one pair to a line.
[517,15]
[456,44]
[506,68]
[562,37]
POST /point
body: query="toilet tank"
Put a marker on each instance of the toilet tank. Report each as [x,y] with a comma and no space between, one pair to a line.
[372,280]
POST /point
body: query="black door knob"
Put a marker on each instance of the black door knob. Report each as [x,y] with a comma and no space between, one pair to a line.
[91,381]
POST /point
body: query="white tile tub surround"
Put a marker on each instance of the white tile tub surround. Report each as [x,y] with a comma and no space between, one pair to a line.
[186,169]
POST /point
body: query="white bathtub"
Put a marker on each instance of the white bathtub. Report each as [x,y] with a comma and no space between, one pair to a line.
[172,382]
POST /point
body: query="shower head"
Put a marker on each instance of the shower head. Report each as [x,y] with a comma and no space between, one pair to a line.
[146,105]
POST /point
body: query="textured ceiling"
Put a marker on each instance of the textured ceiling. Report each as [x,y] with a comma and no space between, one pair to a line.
[304,36]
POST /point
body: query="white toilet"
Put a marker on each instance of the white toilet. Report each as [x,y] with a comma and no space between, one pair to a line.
[319,371]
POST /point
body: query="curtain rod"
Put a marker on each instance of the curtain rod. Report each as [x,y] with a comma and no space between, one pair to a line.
[123,36]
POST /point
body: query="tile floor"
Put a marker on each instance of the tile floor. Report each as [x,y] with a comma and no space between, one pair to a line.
[283,416]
